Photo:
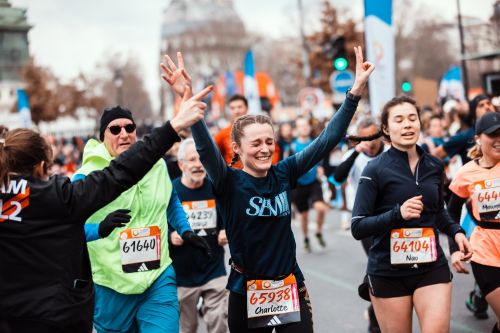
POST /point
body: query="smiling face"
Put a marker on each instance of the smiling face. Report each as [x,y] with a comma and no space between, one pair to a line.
[193,171]
[403,126]
[490,145]
[256,148]
[117,144]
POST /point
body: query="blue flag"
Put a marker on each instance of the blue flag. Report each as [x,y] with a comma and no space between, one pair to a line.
[250,85]
[23,108]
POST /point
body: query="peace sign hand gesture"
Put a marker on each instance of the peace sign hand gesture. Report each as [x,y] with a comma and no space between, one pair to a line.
[176,76]
[363,71]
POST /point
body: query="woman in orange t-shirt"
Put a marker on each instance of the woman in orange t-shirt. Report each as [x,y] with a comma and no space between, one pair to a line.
[478,183]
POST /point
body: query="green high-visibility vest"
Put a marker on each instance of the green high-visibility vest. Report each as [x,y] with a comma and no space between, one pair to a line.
[148,201]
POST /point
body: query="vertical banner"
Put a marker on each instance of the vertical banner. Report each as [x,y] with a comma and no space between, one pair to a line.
[23,108]
[379,39]
[250,85]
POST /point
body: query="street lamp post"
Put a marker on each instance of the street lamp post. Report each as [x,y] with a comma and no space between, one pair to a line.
[305,48]
[465,76]
[118,79]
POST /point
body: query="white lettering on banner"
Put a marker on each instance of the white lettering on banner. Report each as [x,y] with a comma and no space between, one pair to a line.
[278,206]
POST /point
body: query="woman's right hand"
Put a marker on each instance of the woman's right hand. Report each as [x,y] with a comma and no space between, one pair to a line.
[192,109]
[412,208]
[457,261]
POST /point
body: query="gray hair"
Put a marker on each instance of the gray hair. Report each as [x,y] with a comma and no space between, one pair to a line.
[365,122]
[181,153]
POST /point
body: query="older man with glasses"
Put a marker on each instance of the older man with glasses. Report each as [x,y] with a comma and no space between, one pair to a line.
[135,282]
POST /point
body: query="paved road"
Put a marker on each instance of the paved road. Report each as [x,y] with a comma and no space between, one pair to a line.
[333,274]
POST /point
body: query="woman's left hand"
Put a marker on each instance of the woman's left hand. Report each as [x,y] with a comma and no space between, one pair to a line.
[363,71]
[176,76]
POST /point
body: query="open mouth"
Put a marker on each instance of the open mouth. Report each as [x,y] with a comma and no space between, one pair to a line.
[408,134]
[263,158]
[197,172]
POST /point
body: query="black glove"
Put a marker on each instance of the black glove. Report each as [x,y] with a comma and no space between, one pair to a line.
[115,219]
[199,242]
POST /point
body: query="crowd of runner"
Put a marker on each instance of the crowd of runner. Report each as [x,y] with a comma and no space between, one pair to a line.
[136,241]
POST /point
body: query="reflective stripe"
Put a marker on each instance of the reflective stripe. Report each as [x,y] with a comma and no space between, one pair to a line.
[357,217]
[364,177]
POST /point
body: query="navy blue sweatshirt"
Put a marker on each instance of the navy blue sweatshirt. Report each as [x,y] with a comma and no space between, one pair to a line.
[386,183]
[256,211]
[192,268]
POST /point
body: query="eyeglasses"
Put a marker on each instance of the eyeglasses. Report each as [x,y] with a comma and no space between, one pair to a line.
[116,129]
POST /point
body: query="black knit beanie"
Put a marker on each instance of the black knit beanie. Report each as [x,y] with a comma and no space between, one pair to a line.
[475,101]
[110,114]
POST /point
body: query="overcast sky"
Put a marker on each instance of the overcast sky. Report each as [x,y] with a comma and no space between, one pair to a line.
[72,36]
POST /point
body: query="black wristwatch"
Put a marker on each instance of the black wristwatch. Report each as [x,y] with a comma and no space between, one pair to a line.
[351,96]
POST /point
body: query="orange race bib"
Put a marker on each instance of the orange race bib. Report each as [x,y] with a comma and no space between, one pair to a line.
[486,199]
[413,246]
[140,249]
[272,302]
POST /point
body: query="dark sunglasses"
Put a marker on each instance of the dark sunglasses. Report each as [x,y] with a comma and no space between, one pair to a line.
[116,129]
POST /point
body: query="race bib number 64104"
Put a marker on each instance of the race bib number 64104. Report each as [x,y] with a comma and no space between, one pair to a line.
[413,246]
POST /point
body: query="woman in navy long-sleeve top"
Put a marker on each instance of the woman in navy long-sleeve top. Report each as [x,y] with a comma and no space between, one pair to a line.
[255,207]
[399,202]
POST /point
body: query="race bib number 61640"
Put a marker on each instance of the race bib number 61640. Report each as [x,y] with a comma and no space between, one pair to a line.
[140,249]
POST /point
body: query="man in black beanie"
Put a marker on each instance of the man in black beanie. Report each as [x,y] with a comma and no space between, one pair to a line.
[135,283]
[117,130]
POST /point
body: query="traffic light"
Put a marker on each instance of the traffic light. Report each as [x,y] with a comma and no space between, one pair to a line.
[340,63]
[340,54]
[406,86]
[336,51]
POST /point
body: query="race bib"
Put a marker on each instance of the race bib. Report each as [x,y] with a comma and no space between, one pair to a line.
[413,246]
[140,249]
[202,215]
[272,302]
[486,198]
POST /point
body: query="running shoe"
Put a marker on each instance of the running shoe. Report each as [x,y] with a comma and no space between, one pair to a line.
[321,241]
[477,305]
[307,245]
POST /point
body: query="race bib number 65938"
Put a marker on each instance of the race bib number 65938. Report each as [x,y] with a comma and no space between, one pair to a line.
[272,302]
